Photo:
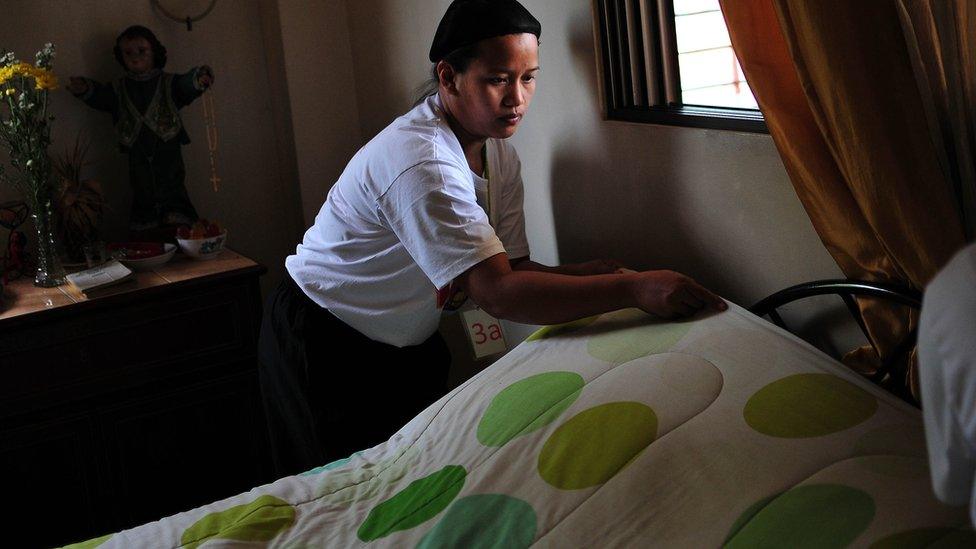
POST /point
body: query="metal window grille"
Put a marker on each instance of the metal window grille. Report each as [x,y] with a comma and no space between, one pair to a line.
[638,58]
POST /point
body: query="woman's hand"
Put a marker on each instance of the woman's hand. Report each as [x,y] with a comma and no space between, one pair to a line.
[668,294]
[78,85]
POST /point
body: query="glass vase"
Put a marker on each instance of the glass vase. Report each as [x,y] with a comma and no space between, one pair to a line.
[49,271]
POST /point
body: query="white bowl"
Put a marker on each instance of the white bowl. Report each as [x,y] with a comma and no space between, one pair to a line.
[203,248]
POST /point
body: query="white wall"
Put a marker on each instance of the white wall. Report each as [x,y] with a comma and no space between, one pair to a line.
[323,108]
[716,205]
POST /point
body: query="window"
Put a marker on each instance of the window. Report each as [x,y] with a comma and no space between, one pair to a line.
[671,62]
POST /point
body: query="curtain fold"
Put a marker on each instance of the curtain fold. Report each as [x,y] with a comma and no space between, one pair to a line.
[940,35]
[862,137]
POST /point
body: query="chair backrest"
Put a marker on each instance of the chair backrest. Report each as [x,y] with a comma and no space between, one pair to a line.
[886,375]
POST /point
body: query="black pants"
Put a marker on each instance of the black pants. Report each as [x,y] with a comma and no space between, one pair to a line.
[329,390]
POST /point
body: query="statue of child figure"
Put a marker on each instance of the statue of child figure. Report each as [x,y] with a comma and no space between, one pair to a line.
[144,103]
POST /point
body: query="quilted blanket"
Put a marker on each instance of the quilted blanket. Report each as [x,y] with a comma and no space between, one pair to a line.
[616,431]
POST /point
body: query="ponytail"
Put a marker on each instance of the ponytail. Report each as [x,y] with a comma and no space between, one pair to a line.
[428,88]
[460,59]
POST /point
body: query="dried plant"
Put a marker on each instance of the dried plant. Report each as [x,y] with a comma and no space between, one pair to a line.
[78,203]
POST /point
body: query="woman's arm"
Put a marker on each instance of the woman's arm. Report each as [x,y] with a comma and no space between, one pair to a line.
[539,297]
[594,267]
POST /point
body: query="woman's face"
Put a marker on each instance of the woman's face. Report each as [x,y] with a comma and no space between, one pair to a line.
[492,95]
[137,54]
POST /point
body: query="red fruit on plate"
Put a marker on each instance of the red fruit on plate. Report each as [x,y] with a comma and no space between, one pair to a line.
[138,250]
[183,232]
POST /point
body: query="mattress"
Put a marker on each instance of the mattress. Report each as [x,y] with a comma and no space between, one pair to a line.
[618,430]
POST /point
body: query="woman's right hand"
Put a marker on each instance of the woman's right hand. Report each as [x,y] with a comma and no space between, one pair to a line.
[77,85]
[670,295]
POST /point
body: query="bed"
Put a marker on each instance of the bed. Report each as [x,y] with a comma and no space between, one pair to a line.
[616,430]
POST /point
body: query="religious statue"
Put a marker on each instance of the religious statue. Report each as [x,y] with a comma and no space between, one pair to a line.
[144,104]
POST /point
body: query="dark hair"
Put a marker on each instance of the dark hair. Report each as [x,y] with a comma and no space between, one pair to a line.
[460,59]
[138,31]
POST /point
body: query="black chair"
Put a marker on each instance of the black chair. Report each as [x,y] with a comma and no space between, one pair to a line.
[886,375]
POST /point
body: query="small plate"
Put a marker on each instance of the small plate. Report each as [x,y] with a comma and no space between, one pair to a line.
[142,256]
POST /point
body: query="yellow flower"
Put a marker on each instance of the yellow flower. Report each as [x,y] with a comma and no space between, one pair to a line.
[22,68]
[10,91]
[43,78]
[45,82]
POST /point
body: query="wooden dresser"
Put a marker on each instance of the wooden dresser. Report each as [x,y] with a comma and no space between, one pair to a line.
[135,405]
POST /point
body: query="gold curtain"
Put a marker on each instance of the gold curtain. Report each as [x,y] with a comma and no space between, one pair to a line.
[852,99]
[941,35]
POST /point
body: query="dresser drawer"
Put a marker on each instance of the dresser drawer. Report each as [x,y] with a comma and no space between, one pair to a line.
[109,349]
[185,448]
[133,405]
[62,454]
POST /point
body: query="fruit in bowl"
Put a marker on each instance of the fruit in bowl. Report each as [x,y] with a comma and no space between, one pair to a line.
[203,240]
[201,228]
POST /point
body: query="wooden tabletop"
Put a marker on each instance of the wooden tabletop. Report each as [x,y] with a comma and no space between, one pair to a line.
[21,297]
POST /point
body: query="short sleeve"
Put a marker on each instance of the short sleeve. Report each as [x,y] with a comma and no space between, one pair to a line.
[511,220]
[434,213]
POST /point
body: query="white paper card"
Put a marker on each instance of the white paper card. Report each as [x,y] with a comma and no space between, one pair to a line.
[484,333]
[102,275]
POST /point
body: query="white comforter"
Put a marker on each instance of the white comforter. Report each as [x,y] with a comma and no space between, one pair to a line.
[616,431]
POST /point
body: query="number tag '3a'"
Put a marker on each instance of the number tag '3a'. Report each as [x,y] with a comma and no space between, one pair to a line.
[484,332]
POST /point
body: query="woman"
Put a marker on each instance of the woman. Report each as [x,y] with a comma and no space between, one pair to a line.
[431,206]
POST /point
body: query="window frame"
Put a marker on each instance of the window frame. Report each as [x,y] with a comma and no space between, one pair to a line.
[669,112]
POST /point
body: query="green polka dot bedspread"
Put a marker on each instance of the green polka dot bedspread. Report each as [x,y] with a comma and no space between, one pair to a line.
[616,431]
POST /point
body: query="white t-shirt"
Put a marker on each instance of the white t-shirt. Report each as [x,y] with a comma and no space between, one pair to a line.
[947,375]
[404,219]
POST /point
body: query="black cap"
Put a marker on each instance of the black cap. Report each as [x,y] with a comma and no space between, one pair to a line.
[470,21]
